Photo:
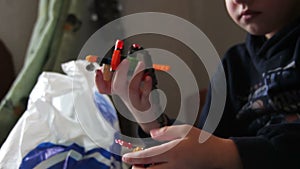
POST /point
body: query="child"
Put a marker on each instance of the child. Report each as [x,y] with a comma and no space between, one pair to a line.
[260,127]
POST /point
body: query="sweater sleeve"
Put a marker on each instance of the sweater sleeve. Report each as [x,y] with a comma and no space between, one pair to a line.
[275,146]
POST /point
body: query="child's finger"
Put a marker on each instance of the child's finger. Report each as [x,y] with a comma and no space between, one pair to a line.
[146,89]
[148,156]
[119,80]
[140,166]
[151,166]
[103,87]
[137,77]
[170,132]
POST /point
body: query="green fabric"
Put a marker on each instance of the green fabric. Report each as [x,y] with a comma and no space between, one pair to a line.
[48,14]
[67,43]
[49,11]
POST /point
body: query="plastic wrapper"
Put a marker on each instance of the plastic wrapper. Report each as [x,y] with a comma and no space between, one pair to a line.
[67,124]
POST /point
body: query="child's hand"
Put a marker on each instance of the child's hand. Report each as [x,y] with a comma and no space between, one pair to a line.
[185,151]
[134,91]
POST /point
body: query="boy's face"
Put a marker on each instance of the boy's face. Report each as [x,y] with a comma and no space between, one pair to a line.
[263,17]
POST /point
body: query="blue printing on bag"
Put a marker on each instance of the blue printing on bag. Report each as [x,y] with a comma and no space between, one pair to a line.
[47,150]
[110,115]
[106,109]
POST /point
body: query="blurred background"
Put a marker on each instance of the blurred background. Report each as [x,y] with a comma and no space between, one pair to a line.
[40,35]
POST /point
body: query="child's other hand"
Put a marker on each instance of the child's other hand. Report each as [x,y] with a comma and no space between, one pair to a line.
[185,151]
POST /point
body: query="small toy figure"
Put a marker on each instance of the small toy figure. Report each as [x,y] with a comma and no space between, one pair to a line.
[137,149]
[107,74]
[116,57]
[128,145]
[91,59]
[110,64]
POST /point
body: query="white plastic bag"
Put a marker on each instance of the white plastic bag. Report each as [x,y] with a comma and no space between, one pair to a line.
[62,117]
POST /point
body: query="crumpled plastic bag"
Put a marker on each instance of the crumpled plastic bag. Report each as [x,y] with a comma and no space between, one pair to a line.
[67,124]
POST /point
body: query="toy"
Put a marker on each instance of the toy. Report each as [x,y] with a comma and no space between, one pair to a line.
[91,59]
[128,145]
[116,57]
[110,64]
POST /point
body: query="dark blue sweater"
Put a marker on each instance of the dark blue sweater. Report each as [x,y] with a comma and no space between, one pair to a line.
[263,89]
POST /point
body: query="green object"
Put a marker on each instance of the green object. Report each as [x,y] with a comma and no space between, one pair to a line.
[48,14]
[132,65]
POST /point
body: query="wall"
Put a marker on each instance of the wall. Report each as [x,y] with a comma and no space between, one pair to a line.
[212,18]
[17,18]
[209,16]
